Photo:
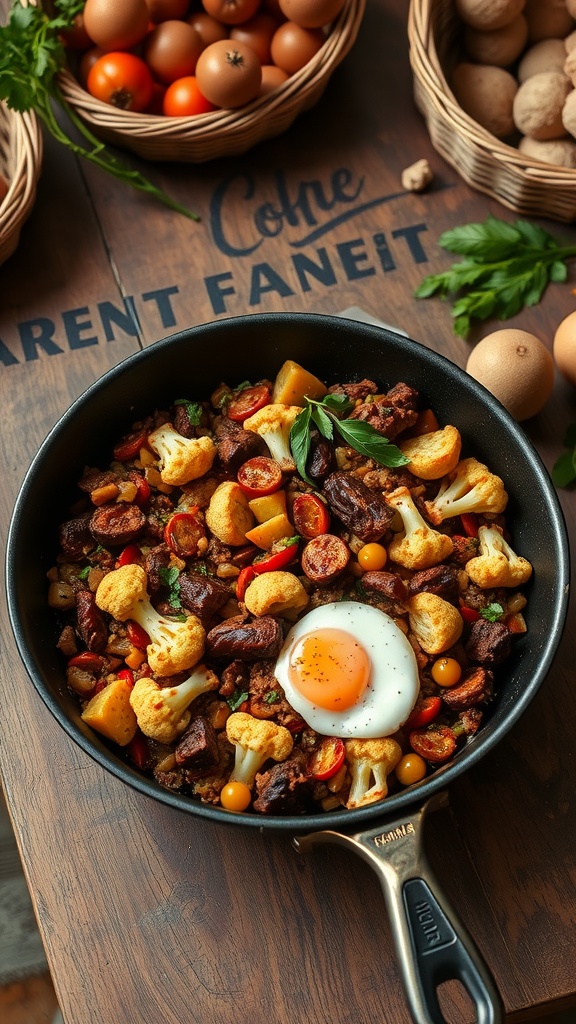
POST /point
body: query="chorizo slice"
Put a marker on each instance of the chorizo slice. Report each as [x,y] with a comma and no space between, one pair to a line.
[75,537]
[324,558]
[117,524]
[476,688]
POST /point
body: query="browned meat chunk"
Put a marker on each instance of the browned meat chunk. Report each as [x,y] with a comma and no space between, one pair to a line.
[440,579]
[324,558]
[489,643]
[391,414]
[158,558]
[117,524]
[91,625]
[363,512]
[198,747]
[236,445]
[321,459]
[247,641]
[75,537]
[203,595]
[476,688]
[284,789]
[355,392]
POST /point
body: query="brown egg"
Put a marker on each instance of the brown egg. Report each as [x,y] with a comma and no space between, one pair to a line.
[517,368]
[115,26]
[564,348]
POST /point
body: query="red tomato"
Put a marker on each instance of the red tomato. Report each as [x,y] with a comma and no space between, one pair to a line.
[259,476]
[231,12]
[138,751]
[245,403]
[137,636]
[293,46]
[171,50]
[130,445]
[469,614]
[143,487]
[122,80]
[424,712]
[257,33]
[310,515]
[435,744]
[127,675]
[184,99]
[229,73]
[183,531]
[326,759]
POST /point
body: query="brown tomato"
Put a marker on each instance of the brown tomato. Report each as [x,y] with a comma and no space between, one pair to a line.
[228,73]
[172,50]
[293,46]
[272,77]
[257,33]
[208,28]
[231,12]
[311,13]
[165,10]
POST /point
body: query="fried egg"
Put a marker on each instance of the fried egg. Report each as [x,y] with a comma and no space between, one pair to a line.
[349,671]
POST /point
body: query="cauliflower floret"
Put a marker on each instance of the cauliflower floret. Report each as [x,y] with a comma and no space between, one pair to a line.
[470,488]
[255,740]
[181,458]
[497,565]
[276,593]
[419,546]
[435,454]
[370,762]
[175,646]
[228,515]
[274,423]
[163,712]
[436,624]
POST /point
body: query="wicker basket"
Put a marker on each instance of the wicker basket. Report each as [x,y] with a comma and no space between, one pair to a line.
[20,164]
[221,132]
[527,186]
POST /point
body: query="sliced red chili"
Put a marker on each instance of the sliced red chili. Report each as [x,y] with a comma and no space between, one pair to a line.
[127,675]
[88,661]
[129,556]
[469,614]
[327,758]
[245,403]
[245,577]
[310,515]
[469,522]
[424,712]
[275,559]
[142,486]
[436,743]
[138,751]
[130,445]
[183,531]
[259,476]
[137,636]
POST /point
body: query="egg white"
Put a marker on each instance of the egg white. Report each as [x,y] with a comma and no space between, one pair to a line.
[393,684]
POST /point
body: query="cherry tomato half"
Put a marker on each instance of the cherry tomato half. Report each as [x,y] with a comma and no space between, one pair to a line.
[183,531]
[424,712]
[137,636]
[259,476]
[129,555]
[89,661]
[184,99]
[121,79]
[436,743]
[310,516]
[327,758]
[245,403]
[130,445]
[138,751]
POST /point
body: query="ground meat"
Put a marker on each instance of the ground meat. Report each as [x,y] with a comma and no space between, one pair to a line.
[393,413]
[234,677]
[355,392]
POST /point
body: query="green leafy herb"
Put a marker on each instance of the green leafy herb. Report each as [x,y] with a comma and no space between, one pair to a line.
[493,612]
[170,578]
[504,267]
[564,469]
[31,56]
[361,436]
[272,697]
[85,572]
[193,410]
[236,699]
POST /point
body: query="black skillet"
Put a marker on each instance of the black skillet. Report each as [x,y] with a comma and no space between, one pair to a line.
[432,945]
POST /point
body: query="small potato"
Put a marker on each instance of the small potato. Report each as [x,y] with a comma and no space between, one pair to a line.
[498,46]
[486,94]
[488,14]
[228,515]
[547,55]
[548,19]
[538,105]
[559,152]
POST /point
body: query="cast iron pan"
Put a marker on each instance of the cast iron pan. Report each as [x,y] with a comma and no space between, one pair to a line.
[432,946]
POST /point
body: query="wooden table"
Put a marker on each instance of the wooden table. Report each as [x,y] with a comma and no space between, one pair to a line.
[148,914]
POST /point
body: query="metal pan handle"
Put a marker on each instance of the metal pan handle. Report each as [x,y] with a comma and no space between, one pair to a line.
[431,942]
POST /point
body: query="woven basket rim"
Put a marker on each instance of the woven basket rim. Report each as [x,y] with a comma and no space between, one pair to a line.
[23,139]
[292,93]
[427,67]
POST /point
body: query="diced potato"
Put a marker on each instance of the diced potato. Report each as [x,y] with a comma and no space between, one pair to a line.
[268,506]
[110,713]
[293,383]
[433,455]
[266,534]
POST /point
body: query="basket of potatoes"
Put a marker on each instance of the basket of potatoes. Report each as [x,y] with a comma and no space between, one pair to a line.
[20,165]
[495,81]
[192,80]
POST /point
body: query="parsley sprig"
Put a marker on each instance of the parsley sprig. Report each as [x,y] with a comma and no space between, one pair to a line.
[564,469]
[326,416]
[31,57]
[504,267]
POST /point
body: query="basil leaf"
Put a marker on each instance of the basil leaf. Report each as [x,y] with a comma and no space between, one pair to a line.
[237,698]
[300,441]
[338,403]
[365,439]
[323,422]
[170,579]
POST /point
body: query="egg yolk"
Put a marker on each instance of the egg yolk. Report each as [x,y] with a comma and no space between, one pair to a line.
[329,668]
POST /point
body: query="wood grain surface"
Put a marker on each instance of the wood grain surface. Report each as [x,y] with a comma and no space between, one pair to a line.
[148,914]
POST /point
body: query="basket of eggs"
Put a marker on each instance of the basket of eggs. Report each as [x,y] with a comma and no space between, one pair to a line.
[495,82]
[20,164]
[193,80]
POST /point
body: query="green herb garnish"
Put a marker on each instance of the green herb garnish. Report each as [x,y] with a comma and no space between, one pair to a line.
[504,268]
[564,469]
[358,434]
[170,578]
[272,697]
[237,698]
[493,612]
[31,56]
[193,410]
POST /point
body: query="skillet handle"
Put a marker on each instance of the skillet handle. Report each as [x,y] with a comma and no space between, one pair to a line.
[431,942]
